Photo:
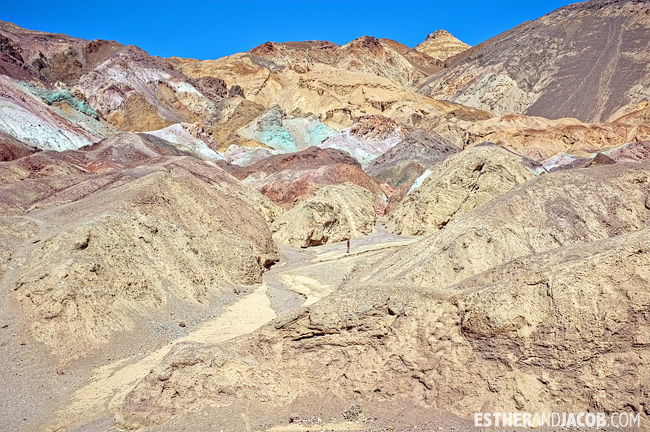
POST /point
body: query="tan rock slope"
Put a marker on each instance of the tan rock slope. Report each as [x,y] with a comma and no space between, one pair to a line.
[540,138]
[568,63]
[435,324]
[558,209]
[339,85]
[459,184]
[442,45]
[333,213]
[144,201]
[106,250]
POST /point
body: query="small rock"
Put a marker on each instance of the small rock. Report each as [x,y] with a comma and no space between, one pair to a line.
[23,343]
[353,412]
[182,324]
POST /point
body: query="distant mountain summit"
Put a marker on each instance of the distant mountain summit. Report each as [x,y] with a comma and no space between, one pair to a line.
[442,45]
[588,60]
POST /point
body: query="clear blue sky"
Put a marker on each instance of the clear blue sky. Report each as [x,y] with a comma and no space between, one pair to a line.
[212,29]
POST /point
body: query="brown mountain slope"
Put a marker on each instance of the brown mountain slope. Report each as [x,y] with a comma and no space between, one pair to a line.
[585,60]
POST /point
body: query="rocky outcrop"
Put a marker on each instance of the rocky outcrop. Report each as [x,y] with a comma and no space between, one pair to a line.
[566,74]
[192,136]
[461,183]
[424,63]
[332,214]
[136,92]
[631,152]
[442,45]
[232,114]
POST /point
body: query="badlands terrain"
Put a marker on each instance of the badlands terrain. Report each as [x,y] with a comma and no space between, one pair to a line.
[173,251]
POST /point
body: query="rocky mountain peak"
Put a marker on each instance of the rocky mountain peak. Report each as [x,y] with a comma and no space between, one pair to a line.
[442,45]
[440,34]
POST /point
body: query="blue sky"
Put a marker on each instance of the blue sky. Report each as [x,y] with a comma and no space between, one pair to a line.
[212,29]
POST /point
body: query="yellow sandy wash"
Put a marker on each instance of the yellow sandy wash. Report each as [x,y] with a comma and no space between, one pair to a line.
[335,427]
[111,383]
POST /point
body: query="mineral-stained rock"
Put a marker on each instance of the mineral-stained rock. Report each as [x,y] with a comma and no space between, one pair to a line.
[285,178]
[370,137]
[285,133]
[332,214]
[401,164]
[130,89]
[48,119]
[632,152]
